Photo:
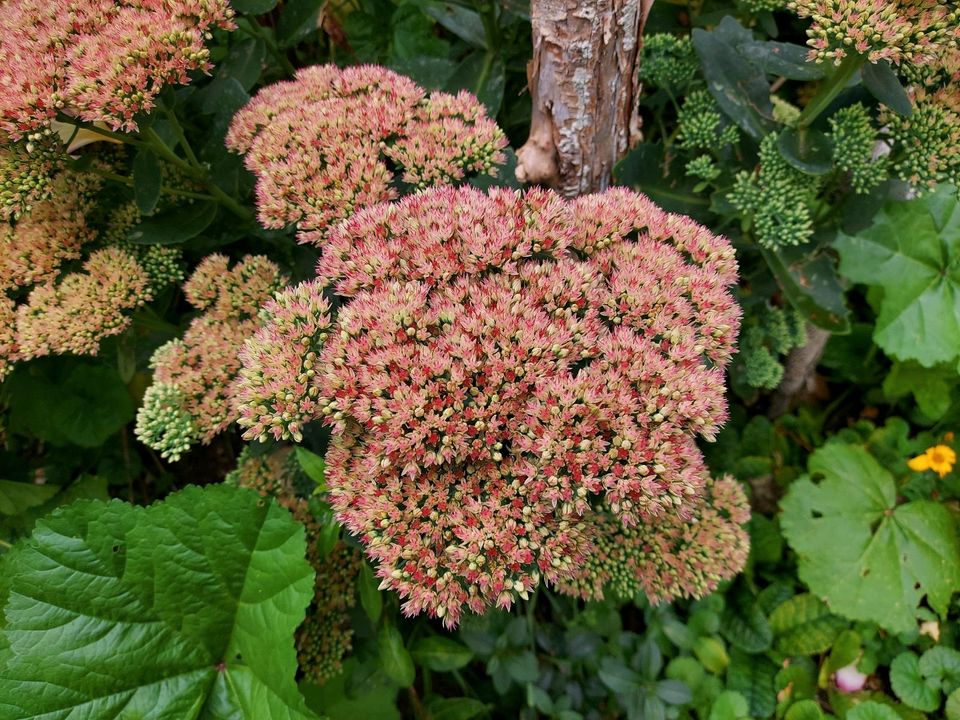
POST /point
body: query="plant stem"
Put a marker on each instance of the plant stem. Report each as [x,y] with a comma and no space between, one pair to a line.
[181,137]
[258,31]
[829,90]
[124,180]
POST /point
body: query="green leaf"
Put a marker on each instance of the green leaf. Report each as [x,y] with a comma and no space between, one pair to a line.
[83,408]
[804,710]
[253,7]
[744,624]
[618,677]
[941,666]
[784,59]
[298,20]
[849,526]
[483,74]
[225,94]
[458,708]
[333,701]
[184,610]
[147,181]
[642,169]
[673,692]
[711,652]
[245,61]
[871,710]
[752,676]
[917,265]
[931,387]
[909,685]
[370,599]
[462,22]
[729,705]
[952,708]
[174,226]
[803,625]
[739,87]
[522,667]
[440,654]
[314,466]
[394,658]
[809,151]
[812,287]
[17,497]
[883,83]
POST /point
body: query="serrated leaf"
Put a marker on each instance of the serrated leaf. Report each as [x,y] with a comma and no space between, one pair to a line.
[147,181]
[930,387]
[917,265]
[804,625]
[909,684]
[744,624]
[183,611]
[394,657]
[882,82]
[812,287]
[729,705]
[952,707]
[752,676]
[440,654]
[849,526]
[18,497]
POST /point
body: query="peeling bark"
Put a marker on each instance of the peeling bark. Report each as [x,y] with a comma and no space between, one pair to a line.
[800,370]
[584,86]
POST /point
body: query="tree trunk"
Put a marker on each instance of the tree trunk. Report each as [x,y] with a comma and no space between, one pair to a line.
[584,85]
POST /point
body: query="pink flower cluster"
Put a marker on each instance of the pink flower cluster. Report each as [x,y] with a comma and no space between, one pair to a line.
[506,361]
[76,313]
[191,399]
[915,32]
[324,144]
[99,60]
[670,559]
[275,394]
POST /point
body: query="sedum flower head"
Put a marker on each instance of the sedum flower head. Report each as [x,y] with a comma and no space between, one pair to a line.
[200,368]
[503,359]
[8,338]
[909,32]
[74,314]
[276,394]
[99,60]
[672,559]
[27,169]
[330,142]
[926,145]
[701,126]
[326,634]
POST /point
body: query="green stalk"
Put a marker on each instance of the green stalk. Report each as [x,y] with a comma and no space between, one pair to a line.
[258,31]
[128,181]
[181,137]
[829,90]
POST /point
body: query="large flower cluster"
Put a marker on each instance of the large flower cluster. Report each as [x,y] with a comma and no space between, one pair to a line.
[326,634]
[504,359]
[76,313]
[915,32]
[99,60]
[927,144]
[191,399]
[324,144]
[671,559]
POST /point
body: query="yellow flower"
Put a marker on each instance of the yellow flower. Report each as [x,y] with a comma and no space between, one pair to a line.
[939,458]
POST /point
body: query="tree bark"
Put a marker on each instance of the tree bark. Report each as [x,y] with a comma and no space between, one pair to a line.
[584,86]
[801,367]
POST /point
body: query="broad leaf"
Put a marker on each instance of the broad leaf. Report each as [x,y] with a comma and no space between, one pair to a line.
[872,710]
[16,497]
[184,610]
[803,625]
[912,252]
[744,624]
[752,676]
[394,658]
[867,557]
[441,654]
[909,685]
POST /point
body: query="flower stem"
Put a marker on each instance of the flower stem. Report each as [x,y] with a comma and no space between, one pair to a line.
[829,90]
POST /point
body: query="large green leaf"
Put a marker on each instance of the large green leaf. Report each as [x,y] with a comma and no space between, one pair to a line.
[866,556]
[912,252]
[16,497]
[182,610]
[803,625]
